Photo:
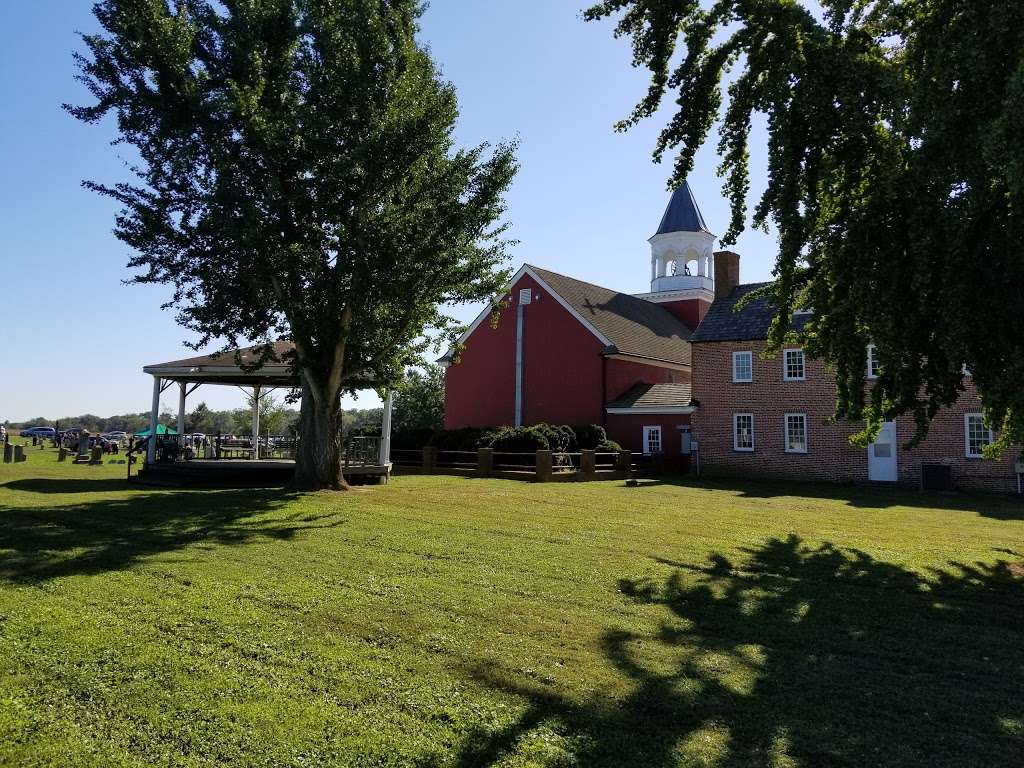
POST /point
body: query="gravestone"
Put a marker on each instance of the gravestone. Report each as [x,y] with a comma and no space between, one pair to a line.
[19,453]
[8,453]
[82,456]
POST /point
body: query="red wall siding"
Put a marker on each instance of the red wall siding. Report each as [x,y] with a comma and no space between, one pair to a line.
[690,311]
[623,374]
[562,368]
[479,390]
[628,431]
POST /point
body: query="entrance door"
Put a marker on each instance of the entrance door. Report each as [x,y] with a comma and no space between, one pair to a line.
[882,455]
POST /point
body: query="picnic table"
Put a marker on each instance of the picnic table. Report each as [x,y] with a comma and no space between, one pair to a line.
[228,448]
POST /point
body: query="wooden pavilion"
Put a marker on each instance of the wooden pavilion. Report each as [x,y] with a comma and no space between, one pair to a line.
[234,368]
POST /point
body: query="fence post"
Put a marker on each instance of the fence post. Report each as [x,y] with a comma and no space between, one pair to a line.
[624,461]
[588,464]
[543,472]
[484,462]
[429,459]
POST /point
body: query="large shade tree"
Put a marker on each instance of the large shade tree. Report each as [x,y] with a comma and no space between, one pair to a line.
[420,400]
[297,178]
[895,177]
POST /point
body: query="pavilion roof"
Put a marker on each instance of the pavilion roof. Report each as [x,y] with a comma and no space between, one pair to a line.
[224,368]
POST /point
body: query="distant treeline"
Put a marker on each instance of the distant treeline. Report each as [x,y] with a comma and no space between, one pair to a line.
[274,419]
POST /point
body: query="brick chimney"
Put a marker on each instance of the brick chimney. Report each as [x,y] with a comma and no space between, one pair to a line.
[727,272]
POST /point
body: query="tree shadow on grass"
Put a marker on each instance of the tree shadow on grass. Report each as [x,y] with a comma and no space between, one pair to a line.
[89,537]
[861,496]
[797,656]
[69,485]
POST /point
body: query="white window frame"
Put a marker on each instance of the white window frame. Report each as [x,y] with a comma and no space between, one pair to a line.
[785,432]
[967,435]
[648,431]
[785,364]
[735,433]
[873,357]
[735,357]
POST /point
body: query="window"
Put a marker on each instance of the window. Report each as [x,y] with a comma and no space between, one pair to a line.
[976,435]
[793,365]
[796,433]
[872,361]
[743,431]
[652,440]
[743,367]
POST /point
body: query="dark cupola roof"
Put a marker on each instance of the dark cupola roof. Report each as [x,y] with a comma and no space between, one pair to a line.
[682,213]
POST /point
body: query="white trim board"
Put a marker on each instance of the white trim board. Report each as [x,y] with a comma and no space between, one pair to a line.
[650,409]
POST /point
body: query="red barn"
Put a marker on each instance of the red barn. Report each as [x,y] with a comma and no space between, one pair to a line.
[564,351]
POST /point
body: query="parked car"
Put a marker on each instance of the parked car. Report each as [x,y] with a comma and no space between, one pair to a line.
[117,435]
[38,432]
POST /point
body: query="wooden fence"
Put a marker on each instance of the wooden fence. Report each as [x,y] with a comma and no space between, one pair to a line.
[536,466]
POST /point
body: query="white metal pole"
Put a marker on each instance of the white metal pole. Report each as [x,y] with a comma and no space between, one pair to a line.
[181,413]
[385,430]
[153,413]
[256,422]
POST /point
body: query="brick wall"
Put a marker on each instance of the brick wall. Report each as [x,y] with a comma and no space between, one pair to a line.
[829,454]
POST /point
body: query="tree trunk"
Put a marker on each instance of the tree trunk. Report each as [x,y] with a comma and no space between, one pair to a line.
[319,455]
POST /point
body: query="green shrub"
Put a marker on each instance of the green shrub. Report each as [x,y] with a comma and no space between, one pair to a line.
[465,439]
[608,446]
[412,439]
[518,440]
[560,438]
[589,436]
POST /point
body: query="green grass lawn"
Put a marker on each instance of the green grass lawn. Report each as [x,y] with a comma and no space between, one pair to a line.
[456,622]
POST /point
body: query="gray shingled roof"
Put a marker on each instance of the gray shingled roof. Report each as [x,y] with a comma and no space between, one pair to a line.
[642,395]
[634,326]
[248,354]
[682,213]
[724,323]
[223,369]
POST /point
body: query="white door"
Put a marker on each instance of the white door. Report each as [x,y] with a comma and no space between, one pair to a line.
[882,455]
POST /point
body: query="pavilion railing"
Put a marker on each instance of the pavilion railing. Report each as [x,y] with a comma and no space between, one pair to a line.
[362,450]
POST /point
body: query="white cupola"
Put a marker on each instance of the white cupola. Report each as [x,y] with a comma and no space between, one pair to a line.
[682,250]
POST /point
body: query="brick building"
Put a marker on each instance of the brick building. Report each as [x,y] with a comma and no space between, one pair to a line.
[679,366]
[767,416]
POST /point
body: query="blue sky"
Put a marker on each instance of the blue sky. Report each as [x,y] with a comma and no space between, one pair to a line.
[587,198]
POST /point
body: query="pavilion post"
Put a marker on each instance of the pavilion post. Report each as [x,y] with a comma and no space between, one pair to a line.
[181,412]
[256,422]
[385,430]
[153,413]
